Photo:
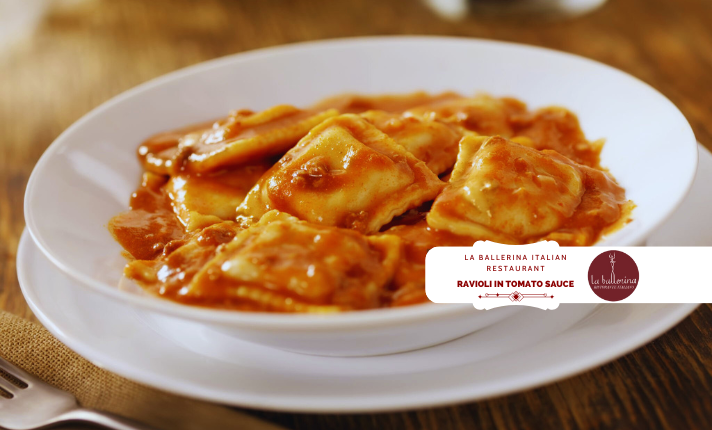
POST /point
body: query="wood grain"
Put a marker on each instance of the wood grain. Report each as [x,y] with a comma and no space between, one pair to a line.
[85,52]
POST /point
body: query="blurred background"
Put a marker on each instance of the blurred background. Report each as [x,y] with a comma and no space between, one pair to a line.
[61,58]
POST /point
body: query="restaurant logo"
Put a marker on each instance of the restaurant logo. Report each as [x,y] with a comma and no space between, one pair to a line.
[613,275]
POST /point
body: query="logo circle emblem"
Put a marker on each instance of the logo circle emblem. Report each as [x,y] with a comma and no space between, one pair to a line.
[613,275]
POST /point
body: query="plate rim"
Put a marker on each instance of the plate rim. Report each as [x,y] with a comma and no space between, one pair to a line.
[547,375]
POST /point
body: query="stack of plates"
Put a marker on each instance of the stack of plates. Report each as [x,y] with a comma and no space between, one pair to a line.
[68,270]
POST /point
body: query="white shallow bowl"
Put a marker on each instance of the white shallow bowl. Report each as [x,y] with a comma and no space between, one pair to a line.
[87,175]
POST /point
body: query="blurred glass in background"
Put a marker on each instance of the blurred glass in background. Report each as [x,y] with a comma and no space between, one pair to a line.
[18,18]
[458,9]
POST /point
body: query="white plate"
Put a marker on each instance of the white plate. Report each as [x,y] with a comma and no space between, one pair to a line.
[528,349]
[88,173]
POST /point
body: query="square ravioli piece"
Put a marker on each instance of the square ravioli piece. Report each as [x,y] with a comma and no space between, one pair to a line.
[483,114]
[506,192]
[432,141]
[344,173]
[242,137]
[202,200]
[286,265]
[170,273]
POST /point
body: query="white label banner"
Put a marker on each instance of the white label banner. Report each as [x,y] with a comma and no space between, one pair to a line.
[543,275]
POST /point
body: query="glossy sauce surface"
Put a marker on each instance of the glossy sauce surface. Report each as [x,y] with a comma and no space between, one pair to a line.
[345,173]
[149,224]
[320,210]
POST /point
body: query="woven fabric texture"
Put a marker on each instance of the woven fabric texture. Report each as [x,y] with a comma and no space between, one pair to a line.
[34,349]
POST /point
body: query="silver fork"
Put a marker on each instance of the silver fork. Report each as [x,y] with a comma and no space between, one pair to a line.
[26,402]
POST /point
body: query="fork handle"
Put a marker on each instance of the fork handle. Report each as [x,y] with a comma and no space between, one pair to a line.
[103,419]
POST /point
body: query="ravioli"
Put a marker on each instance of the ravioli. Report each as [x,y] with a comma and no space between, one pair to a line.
[334,207]
[159,153]
[287,265]
[409,281]
[482,114]
[201,200]
[432,141]
[603,204]
[344,173]
[554,128]
[558,129]
[393,103]
[244,137]
[506,192]
[172,271]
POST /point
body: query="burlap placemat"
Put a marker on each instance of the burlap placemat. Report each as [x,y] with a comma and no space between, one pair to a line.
[34,349]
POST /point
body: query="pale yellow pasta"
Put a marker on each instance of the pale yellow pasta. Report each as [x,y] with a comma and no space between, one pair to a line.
[506,192]
[486,115]
[244,137]
[202,200]
[432,141]
[281,262]
[344,173]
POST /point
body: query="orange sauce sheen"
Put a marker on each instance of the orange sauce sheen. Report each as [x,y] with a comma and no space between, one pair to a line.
[323,262]
[148,226]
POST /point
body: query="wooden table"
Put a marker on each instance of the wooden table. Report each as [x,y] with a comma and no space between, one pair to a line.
[85,52]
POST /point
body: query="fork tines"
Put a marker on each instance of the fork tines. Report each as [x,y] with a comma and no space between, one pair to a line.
[11,379]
